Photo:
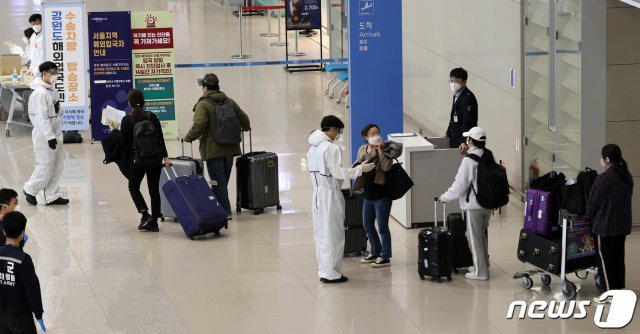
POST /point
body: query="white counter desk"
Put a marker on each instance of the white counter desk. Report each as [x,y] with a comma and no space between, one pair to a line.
[432,166]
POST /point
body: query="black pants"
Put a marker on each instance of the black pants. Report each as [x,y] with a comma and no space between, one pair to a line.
[17,324]
[136,174]
[610,260]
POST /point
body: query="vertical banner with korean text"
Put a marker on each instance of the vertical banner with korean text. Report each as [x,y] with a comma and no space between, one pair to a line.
[153,66]
[375,61]
[111,68]
[65,44]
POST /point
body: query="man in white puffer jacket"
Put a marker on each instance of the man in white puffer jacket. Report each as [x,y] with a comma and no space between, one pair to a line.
[476,216]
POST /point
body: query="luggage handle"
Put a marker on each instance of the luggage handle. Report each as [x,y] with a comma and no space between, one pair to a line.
[250,142]
[435,213]
[173,169]
[182,156]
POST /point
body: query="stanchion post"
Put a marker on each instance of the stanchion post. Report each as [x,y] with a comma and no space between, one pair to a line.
[269,33]
[279,42]
[241,55]
[296,53]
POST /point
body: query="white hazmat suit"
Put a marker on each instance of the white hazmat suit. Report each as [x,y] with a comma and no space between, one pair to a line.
[47,125]
[328,206]
[36,52]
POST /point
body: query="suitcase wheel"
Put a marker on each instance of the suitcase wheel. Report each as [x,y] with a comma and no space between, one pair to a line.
[527,282]
[421,277]
[279,207]
[238,210]
[449,278]
[545,279]
[569,290]
[455,270]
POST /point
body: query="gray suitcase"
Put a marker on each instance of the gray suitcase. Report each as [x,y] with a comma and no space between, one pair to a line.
[183,166]
[257,181]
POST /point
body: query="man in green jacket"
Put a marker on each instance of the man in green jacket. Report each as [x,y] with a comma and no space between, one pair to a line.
[219,157]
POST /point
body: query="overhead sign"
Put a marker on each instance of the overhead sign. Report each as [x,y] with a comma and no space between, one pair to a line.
[65,45]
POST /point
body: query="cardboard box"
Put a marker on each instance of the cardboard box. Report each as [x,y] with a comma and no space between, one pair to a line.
[8,62]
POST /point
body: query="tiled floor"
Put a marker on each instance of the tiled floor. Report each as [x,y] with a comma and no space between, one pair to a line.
[100,275]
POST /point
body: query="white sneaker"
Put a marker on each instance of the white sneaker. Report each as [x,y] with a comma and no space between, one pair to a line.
[471,269]
[475,277]
[381,263]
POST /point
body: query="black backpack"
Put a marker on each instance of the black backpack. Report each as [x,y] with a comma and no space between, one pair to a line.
[574,197]
[228,127]
[147,142]
[493,185]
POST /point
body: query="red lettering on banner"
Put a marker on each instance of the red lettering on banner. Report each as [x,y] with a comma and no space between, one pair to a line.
[154,38]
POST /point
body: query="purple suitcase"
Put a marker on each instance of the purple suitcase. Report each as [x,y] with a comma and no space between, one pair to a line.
[540,211]
[194,204]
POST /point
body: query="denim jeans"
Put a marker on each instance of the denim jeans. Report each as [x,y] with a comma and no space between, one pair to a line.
[378,210]
[220,171]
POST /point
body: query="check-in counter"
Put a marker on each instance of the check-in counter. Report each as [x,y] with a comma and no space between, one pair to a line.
[432,166]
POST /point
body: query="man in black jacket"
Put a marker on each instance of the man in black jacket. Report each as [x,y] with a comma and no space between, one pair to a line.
[20,297]
[464,110]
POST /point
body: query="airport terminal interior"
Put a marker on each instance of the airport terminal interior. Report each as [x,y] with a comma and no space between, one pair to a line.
[99,274]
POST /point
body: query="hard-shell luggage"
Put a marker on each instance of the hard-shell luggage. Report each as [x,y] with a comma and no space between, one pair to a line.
[541,211]
[460,252]
[355,237]
[257,180]
[545,253]
[184,166]
[434,249]
[194,204]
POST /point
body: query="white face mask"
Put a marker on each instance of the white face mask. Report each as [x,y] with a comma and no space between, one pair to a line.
[37,28]
[53,79]
[17,208]
[455,87]
[603,163]
[25,40]
[374,140]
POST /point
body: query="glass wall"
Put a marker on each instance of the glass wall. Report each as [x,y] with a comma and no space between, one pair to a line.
[552,38]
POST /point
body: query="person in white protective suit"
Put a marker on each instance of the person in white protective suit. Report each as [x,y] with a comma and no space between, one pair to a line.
[328,213]
[44,112]
[36,44]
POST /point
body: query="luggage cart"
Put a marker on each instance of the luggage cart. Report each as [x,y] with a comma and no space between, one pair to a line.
[573,264]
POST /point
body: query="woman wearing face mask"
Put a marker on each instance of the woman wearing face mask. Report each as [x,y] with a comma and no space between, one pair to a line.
[139,167]
[609,210]
[377,203]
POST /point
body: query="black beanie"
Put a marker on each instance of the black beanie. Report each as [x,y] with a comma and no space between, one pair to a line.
[331,121]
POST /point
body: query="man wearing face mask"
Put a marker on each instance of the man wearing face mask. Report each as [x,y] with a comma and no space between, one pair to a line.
[44,112]
[9,203]
[328,207]
[36,42]
[464,110]
[219,157]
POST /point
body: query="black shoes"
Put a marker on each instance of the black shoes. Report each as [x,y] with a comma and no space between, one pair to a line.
[30,198]
[59,201]
[342,279]
[148,223]
[144,220]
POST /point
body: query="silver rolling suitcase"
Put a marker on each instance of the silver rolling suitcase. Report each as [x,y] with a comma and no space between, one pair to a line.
[183,166]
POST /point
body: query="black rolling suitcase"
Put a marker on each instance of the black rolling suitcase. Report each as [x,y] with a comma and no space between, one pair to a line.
[434,249]
[257,180]
[355,237]
[460,252]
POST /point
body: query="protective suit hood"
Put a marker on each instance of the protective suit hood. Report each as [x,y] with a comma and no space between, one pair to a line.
[38,82]
[317,137]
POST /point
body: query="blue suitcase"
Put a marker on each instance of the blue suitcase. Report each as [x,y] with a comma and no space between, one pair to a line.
[194,204]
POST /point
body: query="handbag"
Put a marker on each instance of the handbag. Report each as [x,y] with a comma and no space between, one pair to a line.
[397,181]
